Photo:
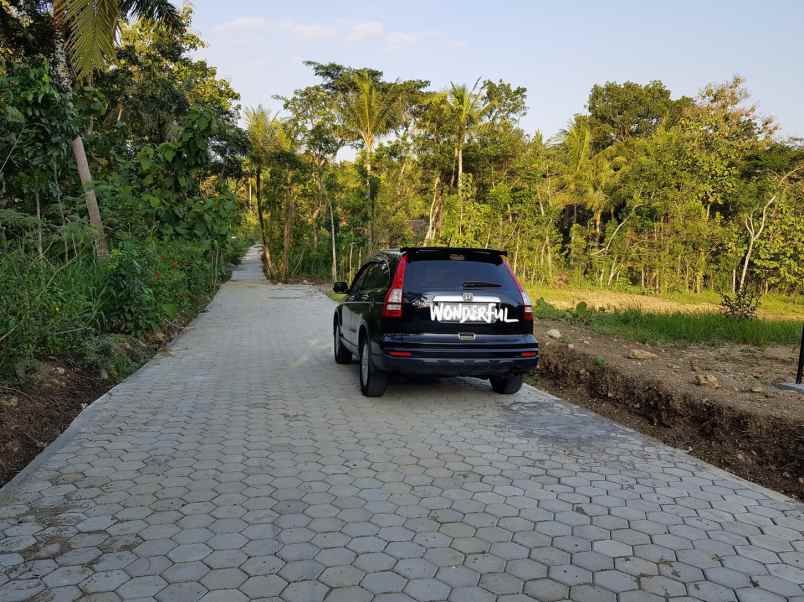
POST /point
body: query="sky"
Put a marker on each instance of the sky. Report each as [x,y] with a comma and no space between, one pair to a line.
[557,50]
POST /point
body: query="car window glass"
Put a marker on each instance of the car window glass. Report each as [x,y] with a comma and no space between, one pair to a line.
[359,280]
[377,277]
[425,275]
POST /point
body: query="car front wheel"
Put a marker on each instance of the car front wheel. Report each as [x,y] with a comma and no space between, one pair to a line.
[507,385]
[372,381]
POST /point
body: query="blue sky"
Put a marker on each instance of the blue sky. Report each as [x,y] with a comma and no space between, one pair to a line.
[557,50]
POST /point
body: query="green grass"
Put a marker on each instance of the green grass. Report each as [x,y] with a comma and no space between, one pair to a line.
[772,306]
[678,327]
[683,327]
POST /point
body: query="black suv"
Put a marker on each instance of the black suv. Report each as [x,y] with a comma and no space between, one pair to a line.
[437,311]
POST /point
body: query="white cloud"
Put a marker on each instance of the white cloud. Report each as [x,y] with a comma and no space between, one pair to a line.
[241,24]
[351,31]
[367,30]
[399,39]
[310,31]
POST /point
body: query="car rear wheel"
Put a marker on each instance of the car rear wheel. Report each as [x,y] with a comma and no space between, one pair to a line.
[342,354]
[508,384]
[372,381]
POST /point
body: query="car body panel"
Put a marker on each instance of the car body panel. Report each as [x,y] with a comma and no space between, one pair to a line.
[434,347]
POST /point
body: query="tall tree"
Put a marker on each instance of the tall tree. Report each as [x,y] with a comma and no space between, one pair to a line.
[313,112]
[367,111]
[467,109]
[260,135]
[86,30]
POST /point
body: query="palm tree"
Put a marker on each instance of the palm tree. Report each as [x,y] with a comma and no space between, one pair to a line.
[467,110]
[577,179]
[368,111]
[85,30]
[260,135]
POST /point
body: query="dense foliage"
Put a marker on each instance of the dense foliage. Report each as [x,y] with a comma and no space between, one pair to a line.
[165,150]
[644,190]
[126,179]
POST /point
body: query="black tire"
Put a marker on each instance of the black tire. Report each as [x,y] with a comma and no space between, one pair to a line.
[507,385]
[372,381]
[342,354]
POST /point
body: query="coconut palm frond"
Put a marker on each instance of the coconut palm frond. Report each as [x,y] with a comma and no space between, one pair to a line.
[159,11]
[92,26]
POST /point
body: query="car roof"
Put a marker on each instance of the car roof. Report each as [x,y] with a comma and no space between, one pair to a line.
[402,250]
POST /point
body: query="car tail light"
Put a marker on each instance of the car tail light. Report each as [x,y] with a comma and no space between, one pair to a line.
[400,353]
[528,354]
[527,312]
[392,308]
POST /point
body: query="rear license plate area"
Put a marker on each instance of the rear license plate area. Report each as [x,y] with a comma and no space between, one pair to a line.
[463,313]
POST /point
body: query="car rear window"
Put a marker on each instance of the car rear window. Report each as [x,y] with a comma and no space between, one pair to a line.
[456,272]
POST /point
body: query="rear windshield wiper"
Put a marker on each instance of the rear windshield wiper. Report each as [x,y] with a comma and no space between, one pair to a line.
[480,284]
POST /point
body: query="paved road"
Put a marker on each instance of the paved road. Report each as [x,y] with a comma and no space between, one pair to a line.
[244,464]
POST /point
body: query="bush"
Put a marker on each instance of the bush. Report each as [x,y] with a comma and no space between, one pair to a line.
[743,305]
[49,308]
[46,308]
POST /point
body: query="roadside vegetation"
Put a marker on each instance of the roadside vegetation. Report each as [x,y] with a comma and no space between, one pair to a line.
[140,132]
[668,204]
[679,327]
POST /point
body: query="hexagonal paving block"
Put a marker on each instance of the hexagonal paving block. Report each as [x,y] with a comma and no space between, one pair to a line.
[189,552]
[415,568]
[342,576]
[546,590]
[427,590]
[305,591]
[383,582]
[182,592]
[185,571]
[230,578]
[569,574]
[142,587]
[104,581]
[264,586]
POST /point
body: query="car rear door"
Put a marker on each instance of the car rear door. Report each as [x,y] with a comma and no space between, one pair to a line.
[352,306]
[373,288]
[468,295]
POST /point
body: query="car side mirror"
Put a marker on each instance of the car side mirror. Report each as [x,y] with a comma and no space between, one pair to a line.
[340,287]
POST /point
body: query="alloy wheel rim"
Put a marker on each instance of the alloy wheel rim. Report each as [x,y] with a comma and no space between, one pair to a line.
[364,364]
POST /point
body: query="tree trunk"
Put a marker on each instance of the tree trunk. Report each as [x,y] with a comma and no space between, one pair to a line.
[260,217]
[332,237]
[351,248]
[101,246]
[431,225]
[370,199]
[745,264]
[460,167]
[460,188]
[39,227]
[266,250]
[287,231]
[79,153]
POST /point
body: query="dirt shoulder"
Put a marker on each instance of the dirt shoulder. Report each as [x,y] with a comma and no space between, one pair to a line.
[34,414]
[720,403]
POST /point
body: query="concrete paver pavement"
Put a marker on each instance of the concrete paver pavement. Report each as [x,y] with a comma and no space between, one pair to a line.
[243,463]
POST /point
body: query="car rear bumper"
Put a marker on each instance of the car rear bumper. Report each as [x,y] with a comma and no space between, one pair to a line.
[457,366]
[487,357]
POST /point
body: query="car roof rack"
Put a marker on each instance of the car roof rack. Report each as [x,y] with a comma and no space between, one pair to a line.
[454,250]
